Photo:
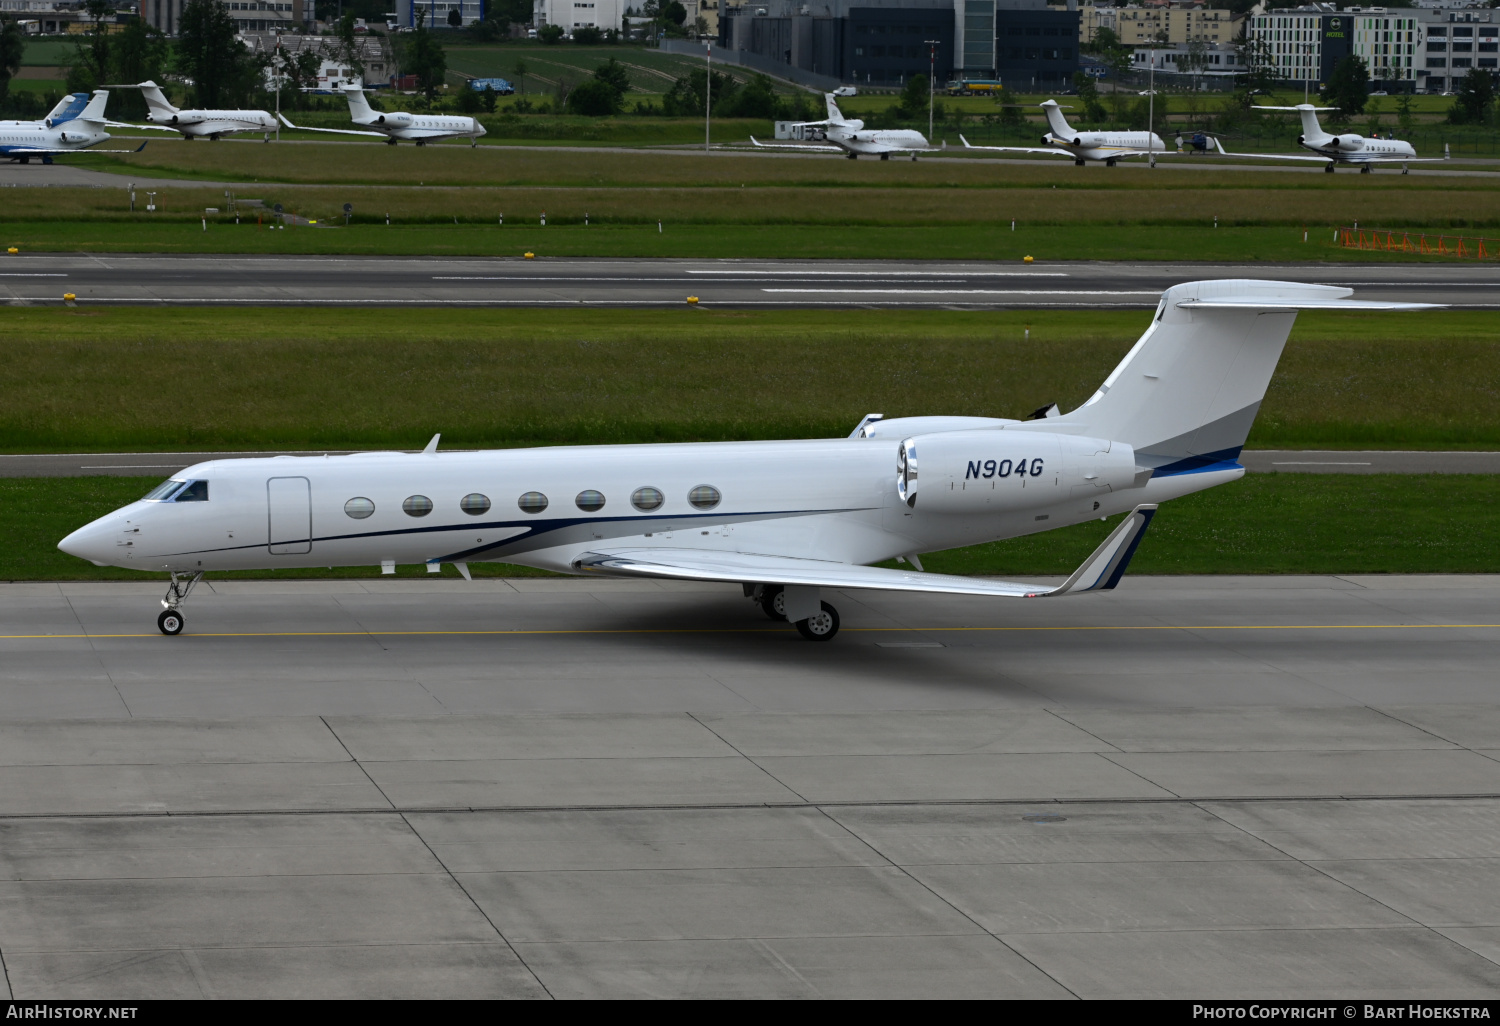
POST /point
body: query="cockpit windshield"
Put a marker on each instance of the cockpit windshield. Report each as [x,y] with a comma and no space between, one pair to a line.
[178,491]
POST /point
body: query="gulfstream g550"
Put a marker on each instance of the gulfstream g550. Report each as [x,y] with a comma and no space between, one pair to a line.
[1066,141]
[783,519]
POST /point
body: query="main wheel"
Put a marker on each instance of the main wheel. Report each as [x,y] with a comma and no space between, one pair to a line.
[170,622]
[1365,170]
[1078,162]
[773,602]
[885,156]
[1328,170]
[1109,163]
[821,627]
[390,142]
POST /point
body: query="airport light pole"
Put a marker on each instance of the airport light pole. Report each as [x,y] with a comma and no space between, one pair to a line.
[1151,106]
[708,91]
[931,83]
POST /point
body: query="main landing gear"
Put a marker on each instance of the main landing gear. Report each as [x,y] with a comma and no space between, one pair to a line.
[1328,170]
[1078,162]
[390,142]
[821,626]
[1366,169]
[170,622]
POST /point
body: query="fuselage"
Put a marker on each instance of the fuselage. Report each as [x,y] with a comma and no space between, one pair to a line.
[192,123]
[1106,145]
[1354,149]
[423,127]
[37,135]
[853,137]
[825,499]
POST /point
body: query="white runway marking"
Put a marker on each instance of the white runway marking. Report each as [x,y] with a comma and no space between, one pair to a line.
[24,274]
[968,292]
[899,274]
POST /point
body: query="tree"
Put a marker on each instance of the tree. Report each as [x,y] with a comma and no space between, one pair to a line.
[1010,112]
[422,56]
[756,100]
[1088,94]
[224,73]
[1105,39]
[1473,99]
[588,35]
[1260,65]
[594,98]
[1348,89]
[455,18]
[686,99]
[675,13]
[470,100]
[1404,113]
[519,69]
[348,49]
[550,34]
[613,74]
[914,97]
[12,49]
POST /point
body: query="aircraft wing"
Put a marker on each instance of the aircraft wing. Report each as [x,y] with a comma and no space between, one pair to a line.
[151,128]
[331,131]
[1350,159]
[42,152]
[793,146]
[1100,572]
[1017,149]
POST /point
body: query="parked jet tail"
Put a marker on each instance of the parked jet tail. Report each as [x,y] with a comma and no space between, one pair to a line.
[155,99]
[359,107]
[68,108]
[1310,127]
[835,116]
[94,110]
[1059,124]
[1186,394]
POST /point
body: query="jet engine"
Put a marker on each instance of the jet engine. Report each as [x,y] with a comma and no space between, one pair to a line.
[1349,143]
[1000,471]
[401,120]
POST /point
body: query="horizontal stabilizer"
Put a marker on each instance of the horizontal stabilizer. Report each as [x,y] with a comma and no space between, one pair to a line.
[1101,571]
[1299,303]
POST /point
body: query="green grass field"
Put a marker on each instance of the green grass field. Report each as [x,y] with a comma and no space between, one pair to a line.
[1266,523]
[116,379]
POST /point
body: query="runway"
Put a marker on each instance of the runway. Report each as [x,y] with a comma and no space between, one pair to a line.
[1187,788]
[1289,461]
[206,280]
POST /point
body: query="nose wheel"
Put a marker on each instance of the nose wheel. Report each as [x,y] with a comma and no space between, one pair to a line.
[170,622]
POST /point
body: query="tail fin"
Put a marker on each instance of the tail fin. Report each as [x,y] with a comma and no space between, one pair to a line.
[68,108]
[94,110]
[1186,394]
[156,100]
[834,114]
[359,107]
[1059,124]
[1310,127]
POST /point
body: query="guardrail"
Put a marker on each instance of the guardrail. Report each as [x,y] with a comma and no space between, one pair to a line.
[1398,240]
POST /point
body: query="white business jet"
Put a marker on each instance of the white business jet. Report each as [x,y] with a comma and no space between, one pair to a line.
[76,123]
[1066,141]
[785,520]
[191,124]
[850,137]
[418,128]
[1344,148]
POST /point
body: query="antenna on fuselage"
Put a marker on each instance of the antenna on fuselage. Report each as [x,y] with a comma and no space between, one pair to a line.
[432,445]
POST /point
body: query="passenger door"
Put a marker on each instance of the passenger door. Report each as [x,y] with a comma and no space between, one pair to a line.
[289,508]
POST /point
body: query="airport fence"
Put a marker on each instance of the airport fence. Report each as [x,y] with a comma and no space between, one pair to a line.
[1397,240]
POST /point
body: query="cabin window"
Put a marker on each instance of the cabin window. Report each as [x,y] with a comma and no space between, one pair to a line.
[532,502]
[416,505]
[161,491]
[704,497]
[474,504]
[647,499]
[590,501]
[196,491]
[359,508]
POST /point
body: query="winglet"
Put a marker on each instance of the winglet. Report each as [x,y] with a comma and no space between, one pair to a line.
[1447,155]
[755,142]
[967,145]
[1103,570]
[284,120]
[142,146]
[432,445]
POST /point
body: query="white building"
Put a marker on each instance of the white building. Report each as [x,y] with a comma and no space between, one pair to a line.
[576,14]
[1219,60]
[437,11]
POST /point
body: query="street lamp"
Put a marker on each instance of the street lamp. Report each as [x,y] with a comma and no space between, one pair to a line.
[708,91]
[931,84]
[1151,106]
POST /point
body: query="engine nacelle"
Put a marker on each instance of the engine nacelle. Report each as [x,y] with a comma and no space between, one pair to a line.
[1349,143]
[999,471]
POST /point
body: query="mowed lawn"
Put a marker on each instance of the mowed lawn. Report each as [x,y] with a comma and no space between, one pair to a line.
[1265,523]
[116,379]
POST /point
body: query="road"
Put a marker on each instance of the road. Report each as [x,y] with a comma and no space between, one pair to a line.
[1291,461]
[1188,788]
[203,280]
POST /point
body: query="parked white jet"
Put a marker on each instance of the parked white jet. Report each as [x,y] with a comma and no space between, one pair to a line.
[783,519]
[418,128]
[76,123]
[191,124]
[1066,141]
[1344,148]
[851,138]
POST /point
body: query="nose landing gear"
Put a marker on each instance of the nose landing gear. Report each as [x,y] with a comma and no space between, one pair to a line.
[171,622]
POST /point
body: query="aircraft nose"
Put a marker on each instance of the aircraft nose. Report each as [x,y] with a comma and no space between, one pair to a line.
[91,542]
